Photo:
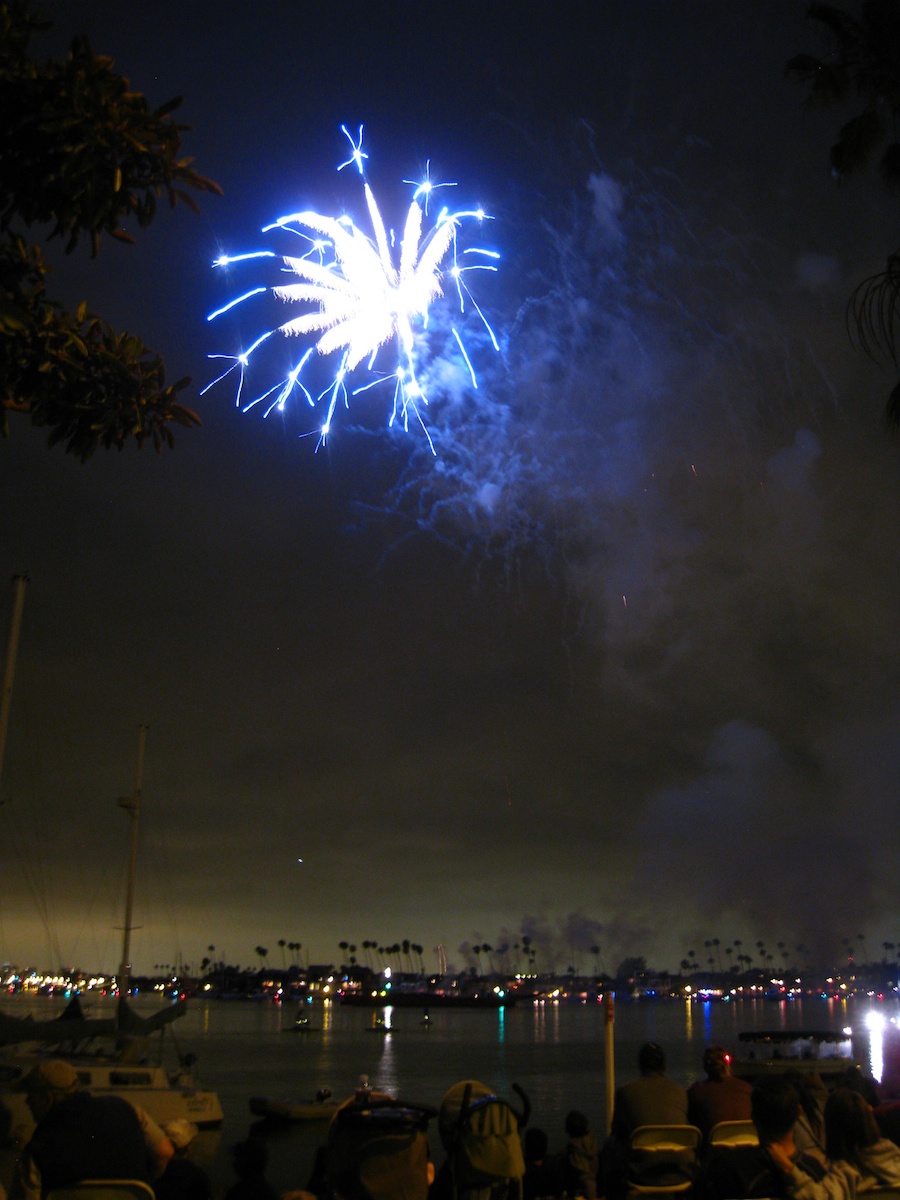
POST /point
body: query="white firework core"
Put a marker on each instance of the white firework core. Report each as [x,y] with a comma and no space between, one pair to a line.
[362,298]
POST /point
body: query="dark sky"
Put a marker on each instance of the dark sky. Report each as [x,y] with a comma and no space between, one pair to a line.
[619,666]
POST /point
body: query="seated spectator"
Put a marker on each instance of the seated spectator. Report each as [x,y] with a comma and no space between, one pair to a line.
[250,1160]
[775,1167]
[809,1132]
[79,1136]
[182,1179]
[852,1136]
[544,1178]
[854,1079]
[718,1097]
[581,1158]
[652,1099]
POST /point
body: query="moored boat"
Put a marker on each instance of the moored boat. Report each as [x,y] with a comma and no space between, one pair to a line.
[301,1025]
[112,1056]
[162,1097]
[321,1108]
[398,999]
[772,1052]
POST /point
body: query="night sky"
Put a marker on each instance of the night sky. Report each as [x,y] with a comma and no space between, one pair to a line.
[620,665]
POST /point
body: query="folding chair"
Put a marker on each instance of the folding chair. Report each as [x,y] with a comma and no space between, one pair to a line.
[730,1134]
[662,1159]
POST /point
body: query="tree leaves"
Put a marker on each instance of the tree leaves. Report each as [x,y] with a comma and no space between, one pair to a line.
[80,153]
[73,374]
[864,62]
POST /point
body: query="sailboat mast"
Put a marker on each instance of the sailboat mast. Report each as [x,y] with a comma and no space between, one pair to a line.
[20,582]
[133,805]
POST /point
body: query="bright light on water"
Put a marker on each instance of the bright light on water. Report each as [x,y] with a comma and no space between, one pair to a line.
[875,1023]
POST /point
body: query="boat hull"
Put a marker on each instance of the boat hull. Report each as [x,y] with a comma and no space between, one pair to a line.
[293,1110]
[148,1088]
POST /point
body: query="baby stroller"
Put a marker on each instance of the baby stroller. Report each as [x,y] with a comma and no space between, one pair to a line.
[377,1148]
[481,1136]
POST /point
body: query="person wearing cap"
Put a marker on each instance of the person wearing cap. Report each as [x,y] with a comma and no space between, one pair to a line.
[721,1096]
[182,1179]
[79,1136]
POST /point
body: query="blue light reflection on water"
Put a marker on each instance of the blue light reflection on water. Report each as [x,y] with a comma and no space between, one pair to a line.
[555,1052]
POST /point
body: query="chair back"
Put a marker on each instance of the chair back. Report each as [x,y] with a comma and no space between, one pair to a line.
[733,1133]
[104,1189]
[662,1159]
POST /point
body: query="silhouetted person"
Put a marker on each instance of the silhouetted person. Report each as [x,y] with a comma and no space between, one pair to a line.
[852,1137]
[774,1167]
[250,1160]
[809,1132]
[182,1179]
[720,1096]
[581,1157]
[652,1099]
[544,1176]
[77,1135]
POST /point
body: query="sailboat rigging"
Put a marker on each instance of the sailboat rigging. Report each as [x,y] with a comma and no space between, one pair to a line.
[110,1054]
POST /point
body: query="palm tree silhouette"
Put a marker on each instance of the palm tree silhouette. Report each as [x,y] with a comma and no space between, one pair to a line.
[476,950]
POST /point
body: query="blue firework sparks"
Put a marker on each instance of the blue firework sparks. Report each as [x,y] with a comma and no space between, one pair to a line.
[362,293]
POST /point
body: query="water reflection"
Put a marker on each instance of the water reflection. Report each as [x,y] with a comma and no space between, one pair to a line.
[387,1073]
[555,1051]
[546,1021]
[875,1025]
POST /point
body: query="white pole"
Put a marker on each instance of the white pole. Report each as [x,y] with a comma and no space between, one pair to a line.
[610,1057]
[12,646]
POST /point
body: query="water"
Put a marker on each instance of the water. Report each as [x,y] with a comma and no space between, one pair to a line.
[555,1052]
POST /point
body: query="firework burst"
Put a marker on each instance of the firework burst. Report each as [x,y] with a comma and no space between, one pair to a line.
[361,293]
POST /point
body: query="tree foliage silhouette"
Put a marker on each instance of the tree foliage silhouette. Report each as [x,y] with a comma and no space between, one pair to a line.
[80,153]
[863,68]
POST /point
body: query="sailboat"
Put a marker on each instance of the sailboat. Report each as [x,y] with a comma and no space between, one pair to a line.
[112,1055]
